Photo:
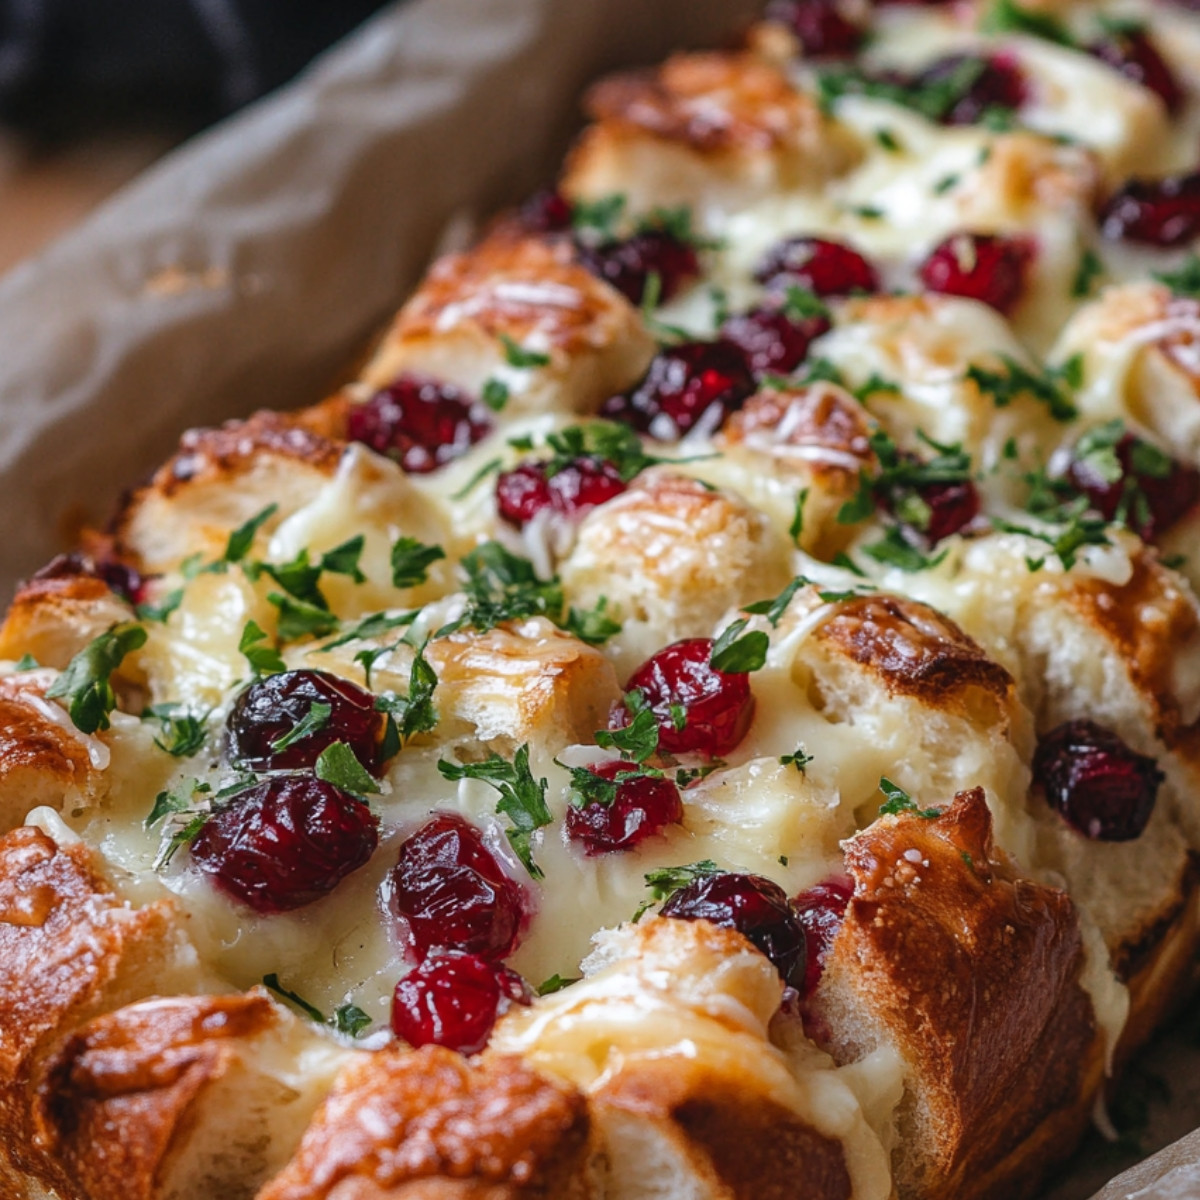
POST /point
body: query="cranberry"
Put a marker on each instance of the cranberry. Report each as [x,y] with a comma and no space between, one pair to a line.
[946,507]
[547,211]
[122,579]
[1158,212]
[285,842]
[819,26]
[570,492]
[980,266]
[694,383]
[1133,54]
[447,890]
[1152,498]
[772,341]
[1096,782]
[420,422]
[985,83]
[270,709]
[629,263]
[453,1000]
[716,706]
[821,910]
[757,908]
[824,267]
[645,805]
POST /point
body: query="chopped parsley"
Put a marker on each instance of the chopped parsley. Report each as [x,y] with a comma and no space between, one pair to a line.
[592,625]
[802,304]
[895,549]
[495,394]
[501,586]
[242,538]
[412,714]
[555,983]
[736,652]
[796,528]
[899,801]
[411,560]
[1089,272]
[376,625]
[183,733]
[301,618]
[263,659]
[773,610]
[638,740]
[598,217]
[348,1018]
[1007,16]
[799,759]
[1050,389]
[272,983]
[312,722]
[666,881]
[519,357]
[1081,530]
[160,612]
[339,765]
[1186,280]
[86,684]
[175,800]
[522,798]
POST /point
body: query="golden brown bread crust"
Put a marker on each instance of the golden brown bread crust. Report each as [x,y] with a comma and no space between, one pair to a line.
[110,1100]
[427,1123]
[65,942]
[939,937]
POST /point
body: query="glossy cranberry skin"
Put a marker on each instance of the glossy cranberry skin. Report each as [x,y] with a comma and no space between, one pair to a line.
[453,1000]
[1155,212]
[821,910]
[773,342]
[1133,54]
[819,26]
[547,211]
[687,385]
[952,507]
[1000,83]
[980,266]
[285,842]
[1167,498]
[420,422]
[718,706]
[822,266]
[644,806]
[269,709]
[628,264]
[447,891]
[572,492]
[1096,782]
[757,908]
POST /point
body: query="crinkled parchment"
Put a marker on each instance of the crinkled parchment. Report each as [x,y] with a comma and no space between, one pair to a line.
[250,268]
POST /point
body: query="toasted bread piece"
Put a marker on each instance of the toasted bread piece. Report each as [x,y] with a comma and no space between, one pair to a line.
[186,1098]
[428,1125]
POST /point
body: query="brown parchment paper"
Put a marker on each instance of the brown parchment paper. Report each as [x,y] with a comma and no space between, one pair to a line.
[249,268]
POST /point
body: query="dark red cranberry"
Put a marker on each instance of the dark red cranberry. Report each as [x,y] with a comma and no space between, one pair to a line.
[570,492]
[757,908]
[271,709]
[629,263]
[946,507]
[694,383]
[976,86]
[419,422]
[1151,493]
[1156,212]
[822,266]
[645,805]
[715,707]
[1096,782]
[821,910]
[819,25]
[772,341]
[547,211]
[448,891]
[453,1000]
[1133,54]
[121,578]
[980,266]
[285,842]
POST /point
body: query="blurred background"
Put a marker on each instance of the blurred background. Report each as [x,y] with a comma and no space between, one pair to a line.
[92,91]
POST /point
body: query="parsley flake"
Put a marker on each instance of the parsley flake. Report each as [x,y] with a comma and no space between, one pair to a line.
[263,659]
[799,759]
[519,357]
[339,765]
[1090,271]
[1186,280]
[182,733]
[242,538]
[495,394]
[738,653]
[86,684]
[899,801]
[1016,380]
[666,881]
[412,714]
[411,560]
[312,722]
[1007,16]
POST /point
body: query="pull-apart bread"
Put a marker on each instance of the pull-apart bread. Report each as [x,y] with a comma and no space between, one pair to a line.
[711,712]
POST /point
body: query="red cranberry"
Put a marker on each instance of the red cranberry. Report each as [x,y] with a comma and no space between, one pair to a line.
[980,266]
[1133,54]
[285,842]
[757,908]
[821,910]
[419,422]
[1152,501]
[122,579]
[819,26]
[570,492]
[824,267]
[716,706]
[987,83]
[448,891]
[547,211]
[628,264]
[453,1000]
[694,383]
[645,805]
[772,341]
[1096,782]
[1157,212]
[950,508]
[270,709]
